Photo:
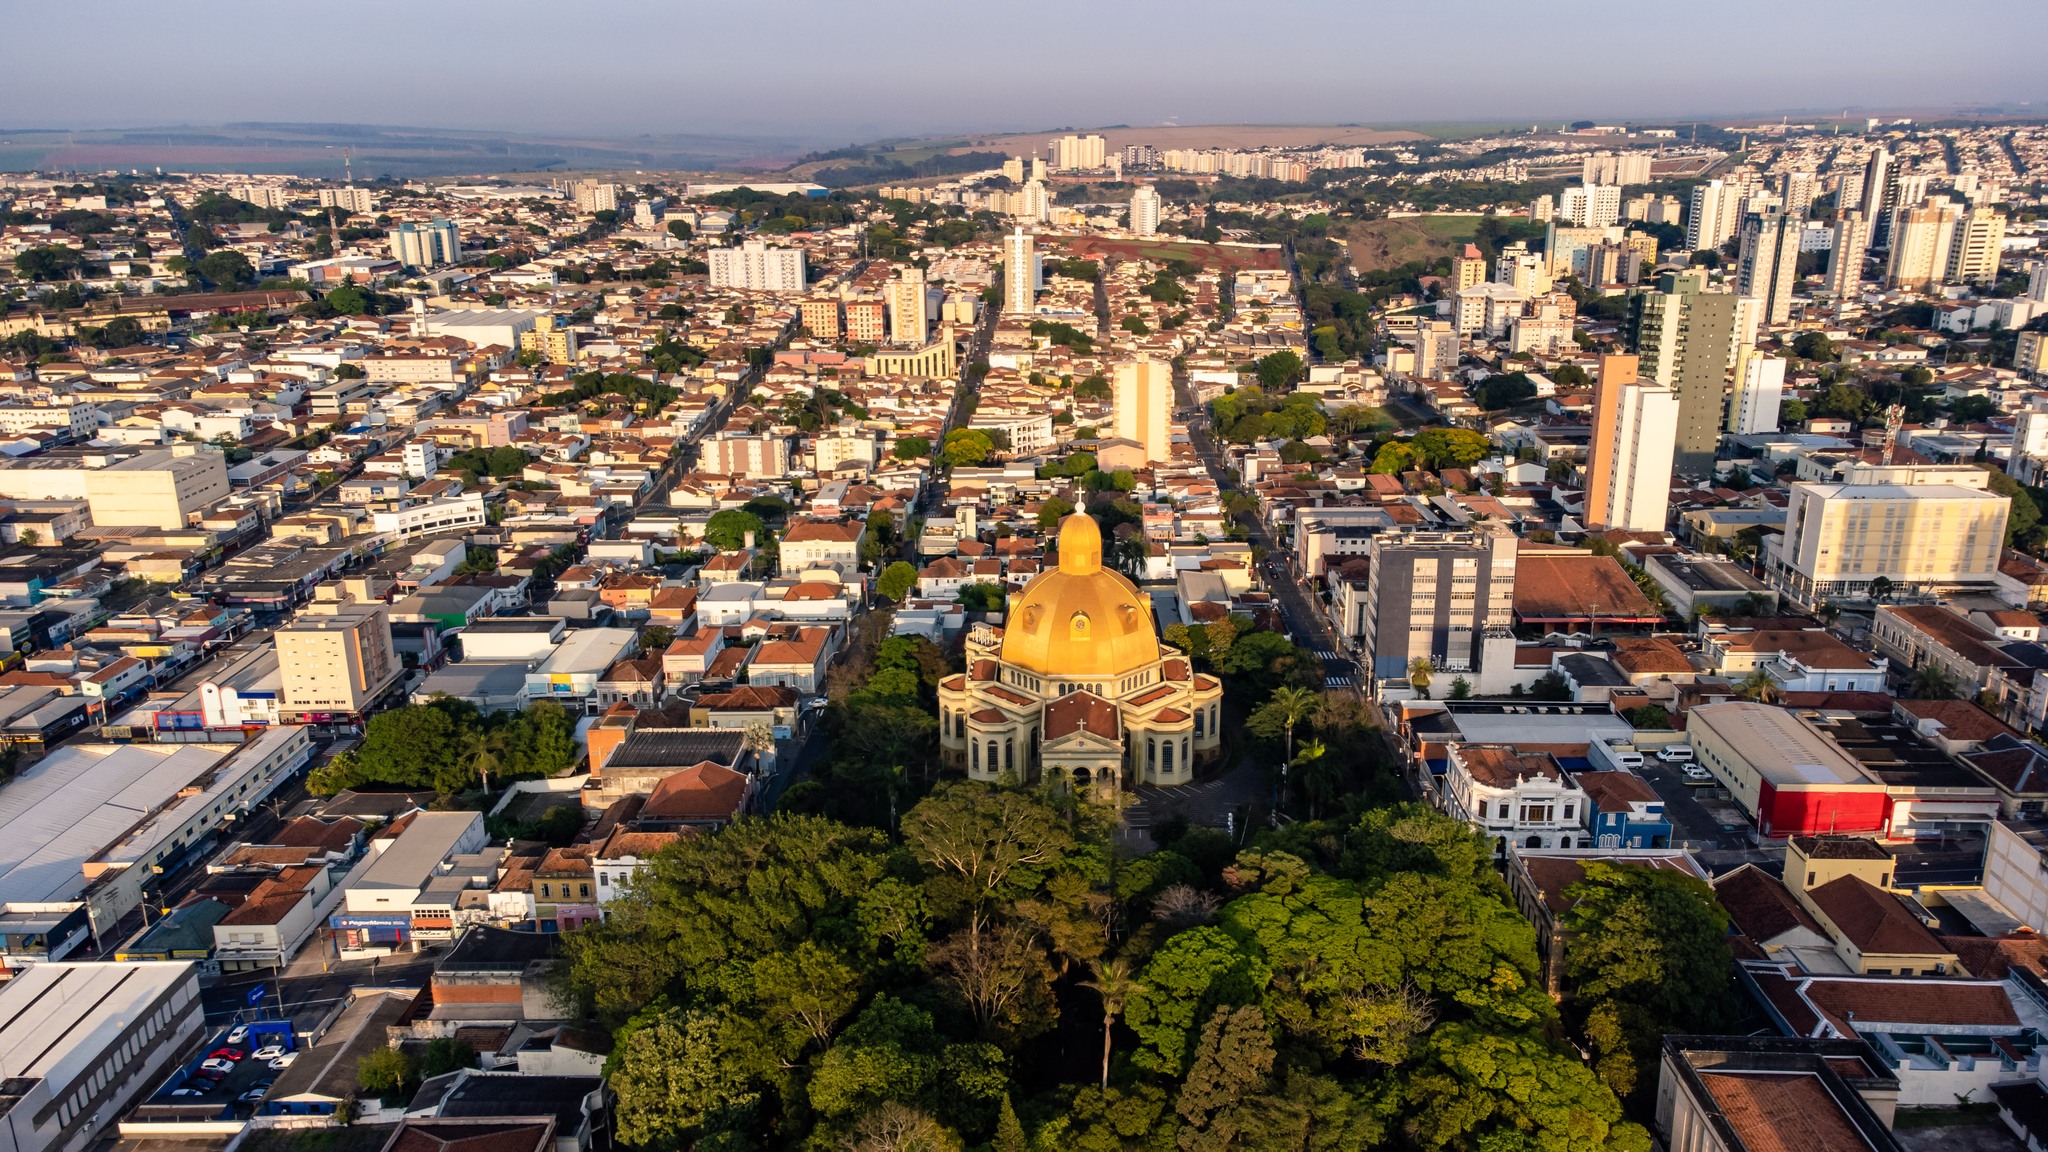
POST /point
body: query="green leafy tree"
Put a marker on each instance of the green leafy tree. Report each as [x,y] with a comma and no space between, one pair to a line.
[911,448]
[967,447]
[1450,447]
[226,269]
[983,597]
[1232,1064]
[680,1076]
[729,529]
[1282,714]
[384,1072]
[896,581]
[1278,369]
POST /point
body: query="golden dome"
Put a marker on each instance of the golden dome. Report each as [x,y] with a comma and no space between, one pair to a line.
[1080,619]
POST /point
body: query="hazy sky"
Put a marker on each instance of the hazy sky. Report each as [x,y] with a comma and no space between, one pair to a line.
[859,69]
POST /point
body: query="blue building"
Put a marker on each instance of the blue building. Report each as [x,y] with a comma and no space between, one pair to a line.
[1623,811]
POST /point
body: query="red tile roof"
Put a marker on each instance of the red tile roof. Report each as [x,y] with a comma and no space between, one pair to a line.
[704,791]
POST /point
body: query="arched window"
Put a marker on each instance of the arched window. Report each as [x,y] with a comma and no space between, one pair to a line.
[1201,714]
[1166,765]
[1184,758]
[976,750]
[991,753]
[1151,753]
[1009,753]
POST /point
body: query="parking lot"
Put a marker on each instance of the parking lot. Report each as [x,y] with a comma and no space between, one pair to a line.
[193,1090]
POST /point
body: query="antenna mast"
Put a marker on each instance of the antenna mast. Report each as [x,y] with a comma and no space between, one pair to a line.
[1894,417]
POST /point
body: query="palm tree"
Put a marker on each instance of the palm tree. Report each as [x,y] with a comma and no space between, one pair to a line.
[1319,775]
[1759,686]
[1133,552]
[1115,983]
[1418,674]
[1283,712]
[1931,683]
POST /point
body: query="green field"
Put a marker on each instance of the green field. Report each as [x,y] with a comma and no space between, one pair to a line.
[1377,244]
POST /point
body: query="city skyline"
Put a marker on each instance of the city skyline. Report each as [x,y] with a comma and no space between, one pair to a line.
[645,70]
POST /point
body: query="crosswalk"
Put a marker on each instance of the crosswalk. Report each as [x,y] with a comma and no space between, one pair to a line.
[1326,654]
[1337,681]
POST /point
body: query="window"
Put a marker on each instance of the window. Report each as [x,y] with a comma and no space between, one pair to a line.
[1201,714]
[1503,809]
[583,890]
[991,754]
[1151,753]
[975,749]
[1568,810]
[1009,754]
[544,891]
[1185,761]
[1167,764]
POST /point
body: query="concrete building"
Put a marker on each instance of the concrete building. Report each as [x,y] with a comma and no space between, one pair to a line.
[746,455]
[551,340]
[1920,528]
[1766,1094]
[90,827]
[1768,266]
[1759,392]
[595,196]
[1628,471]
[1973,250]
[1688,339]
[1145,210]
[379,895]
[1020,273]
[1920,246]
[1518,799]
[1076,153]
[1143,397]
[1437,348]
[821,317]
[909,318]
[1787,774]
[1468,267]
[353,200]
[757,267]
[80,1043]
[1713,215]
[1445,597]
[426,245]
[1619,168]
[1590,205]
[334,661]
[1851,239]
[163,488]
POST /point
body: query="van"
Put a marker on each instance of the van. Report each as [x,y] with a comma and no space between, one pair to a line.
[1675,754]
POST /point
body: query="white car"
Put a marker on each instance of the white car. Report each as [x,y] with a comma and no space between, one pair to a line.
[216,1065]
[283,1062]
[268,1052]
[1695,775]
[240,1034]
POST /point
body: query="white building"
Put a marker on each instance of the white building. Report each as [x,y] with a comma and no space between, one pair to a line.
[757,267]
[1628,471]
[1713,214]
[909,319]
[1142,391]
[1020,273]
[351,199]
[1759,390]
[1590,205]
[1516,798]
[81,1043]
[458,512]
[1769,263]
[1845,257]
[1145,210]
[426,245]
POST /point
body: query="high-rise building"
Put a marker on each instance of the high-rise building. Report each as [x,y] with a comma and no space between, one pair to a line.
[1713,215]
[1628,470]
[1468,267]
[1759,391]
[2029,452]
[1845,255]
[264,195]
[1013,169]
[549,339]
[1444,597]
[1688,339]
[1973,250]
[866,318]
[351,199]
[1020,272]
[596,196]
[757,267]
[821,317]
[1615,168]
[1077,153]
[2030,356]
[1921,528]
[1528,272]
[1142,391]
[1879,194]
[1797,189]
[1140,156]
[1033,203]
[648,211]
[426,245]
[907,315]
[1908,190]
[1590,205]
[1769,263]
[1920,244]
[335,660]
[1145,210]
[1436,348]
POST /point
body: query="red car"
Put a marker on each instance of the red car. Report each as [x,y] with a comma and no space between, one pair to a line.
[226,1054]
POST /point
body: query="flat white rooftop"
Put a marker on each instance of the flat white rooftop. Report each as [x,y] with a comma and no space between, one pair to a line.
[58,1017]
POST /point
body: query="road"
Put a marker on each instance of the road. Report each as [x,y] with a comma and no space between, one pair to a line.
[1305,622]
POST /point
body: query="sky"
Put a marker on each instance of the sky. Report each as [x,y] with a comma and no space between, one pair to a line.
[845,72]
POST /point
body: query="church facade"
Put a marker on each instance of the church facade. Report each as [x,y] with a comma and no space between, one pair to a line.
[1076,690]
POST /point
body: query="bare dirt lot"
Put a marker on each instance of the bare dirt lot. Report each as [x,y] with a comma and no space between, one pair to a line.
[1378,244]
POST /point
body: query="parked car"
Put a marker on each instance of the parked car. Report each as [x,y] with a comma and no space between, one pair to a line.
[227,1054]
[1696,776]
[208,1070]
[269,1052]
[239,1034]
[255,1093]
[1675,754]
[187,1091]
[283,1062]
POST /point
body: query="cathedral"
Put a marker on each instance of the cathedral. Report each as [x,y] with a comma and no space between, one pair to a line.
[1076,689]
